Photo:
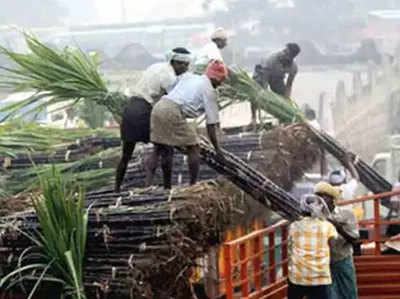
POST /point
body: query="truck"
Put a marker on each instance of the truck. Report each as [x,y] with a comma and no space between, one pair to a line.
[387,164]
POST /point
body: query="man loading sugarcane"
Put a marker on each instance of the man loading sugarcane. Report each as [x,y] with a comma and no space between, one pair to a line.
[338,178]
[344,284]
[211,51]
[309,255]
[273,72]
[193,96]
[156,81]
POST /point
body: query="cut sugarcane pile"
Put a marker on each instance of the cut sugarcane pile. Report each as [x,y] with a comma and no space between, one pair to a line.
[282,154]
[288,153]
[368,176]
[19,138]
[242,88]
[72,152]
[144,243]
[89,161]
[92,172]
[72,75]
[241,145]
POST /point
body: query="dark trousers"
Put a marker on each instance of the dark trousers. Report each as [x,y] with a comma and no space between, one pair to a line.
[310,292]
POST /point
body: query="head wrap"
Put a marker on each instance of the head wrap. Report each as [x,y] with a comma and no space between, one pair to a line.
[314,205]
[183,57]
[220,33]
[293,48]
[328,189]
[216,70]
[337,177]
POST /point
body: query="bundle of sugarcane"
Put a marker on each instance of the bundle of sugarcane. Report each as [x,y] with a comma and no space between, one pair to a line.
[282,154]
[92,171]
[77,77]
[368,176]
[142,243]
[57,77]
[288,152]
[241,145]
[71,74]
[242,88]
[96,167]
[17,137]
[61,154]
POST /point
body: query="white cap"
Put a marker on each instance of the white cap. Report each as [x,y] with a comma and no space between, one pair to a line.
[337,177]
[220,33]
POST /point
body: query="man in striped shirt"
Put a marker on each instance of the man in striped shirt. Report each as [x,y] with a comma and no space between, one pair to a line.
[309,238]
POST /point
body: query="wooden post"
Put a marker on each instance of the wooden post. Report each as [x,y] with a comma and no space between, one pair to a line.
[243,270]
[228,272]
[211,280]
[377,226]
[271,250]
[257,262]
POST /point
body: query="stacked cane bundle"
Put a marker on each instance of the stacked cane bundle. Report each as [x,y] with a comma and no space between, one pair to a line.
[71,74]
[242,87]
[142,243]
[60,154]
[368,176]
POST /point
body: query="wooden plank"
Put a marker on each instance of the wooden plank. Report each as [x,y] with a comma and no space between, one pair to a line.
[379,289]
[378,278]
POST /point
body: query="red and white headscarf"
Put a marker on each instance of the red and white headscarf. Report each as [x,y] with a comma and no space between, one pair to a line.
[217,70]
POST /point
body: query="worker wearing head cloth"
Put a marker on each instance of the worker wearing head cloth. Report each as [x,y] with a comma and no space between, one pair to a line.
[156,81]
[344,283]
[193,96]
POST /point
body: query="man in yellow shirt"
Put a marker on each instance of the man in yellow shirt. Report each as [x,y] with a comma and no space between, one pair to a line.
[344,285]
[309,255]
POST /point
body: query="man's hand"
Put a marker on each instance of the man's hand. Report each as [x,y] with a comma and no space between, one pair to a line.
[212,133]
[348,160]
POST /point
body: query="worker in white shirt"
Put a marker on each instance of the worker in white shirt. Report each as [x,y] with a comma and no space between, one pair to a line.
[338,178]
[211,51]
[155,82]
[193,96]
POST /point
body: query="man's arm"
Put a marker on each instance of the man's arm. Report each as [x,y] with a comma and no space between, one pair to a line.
[347,226]
[290,80]
[350,166]
[212,117]
[344,233]
[265,78]
[212,133]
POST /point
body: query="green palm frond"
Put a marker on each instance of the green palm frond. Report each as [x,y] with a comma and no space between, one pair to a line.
[61,240]
[240,87]
[19,137]
[56,76]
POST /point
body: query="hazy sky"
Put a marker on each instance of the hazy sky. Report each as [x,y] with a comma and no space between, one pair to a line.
[142,10]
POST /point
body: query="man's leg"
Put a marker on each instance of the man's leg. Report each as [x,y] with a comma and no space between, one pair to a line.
[151,163]
[295,291]
[253,108]
[318,292]
[127,150]
[167,156]
[277,85]
[193,153]
[344,282]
